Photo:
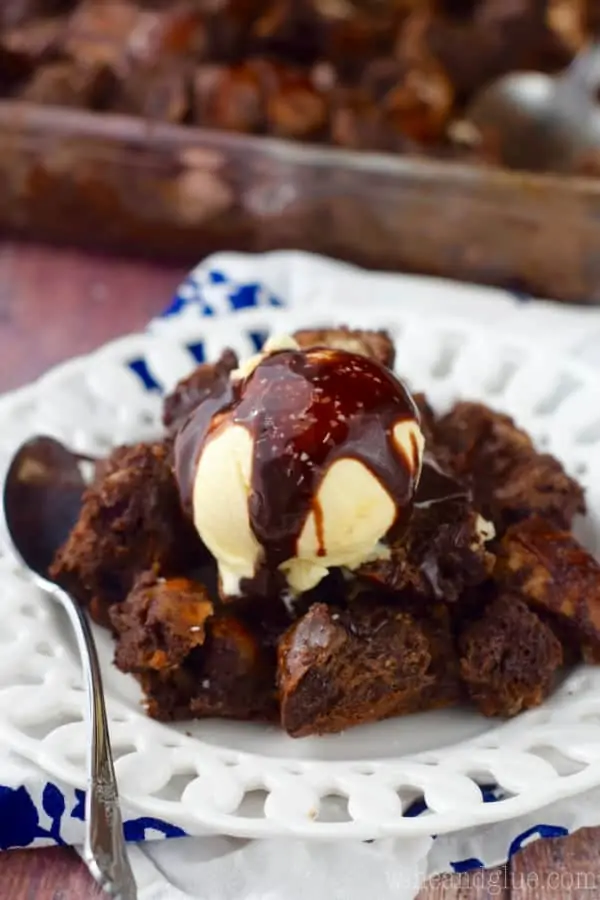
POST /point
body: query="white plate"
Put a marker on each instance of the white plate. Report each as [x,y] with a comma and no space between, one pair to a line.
[250,780]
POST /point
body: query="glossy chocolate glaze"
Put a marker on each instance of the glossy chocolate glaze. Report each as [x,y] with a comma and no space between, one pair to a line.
[444,498]
[190,439]
[436,486]
[304,411]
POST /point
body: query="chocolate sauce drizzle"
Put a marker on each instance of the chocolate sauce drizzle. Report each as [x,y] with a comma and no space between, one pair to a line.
[436,486]
[305,411]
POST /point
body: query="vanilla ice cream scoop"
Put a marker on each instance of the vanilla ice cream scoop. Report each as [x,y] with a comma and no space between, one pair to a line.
[304,460]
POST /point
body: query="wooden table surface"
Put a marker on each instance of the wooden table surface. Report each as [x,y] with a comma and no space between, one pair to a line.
[54,304]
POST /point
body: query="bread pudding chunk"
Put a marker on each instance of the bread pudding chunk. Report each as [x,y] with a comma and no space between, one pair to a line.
[377,345]
[555,575]
[444,549]
[195,659]
[343,667]
[509,658]
[510,479]
[131,520]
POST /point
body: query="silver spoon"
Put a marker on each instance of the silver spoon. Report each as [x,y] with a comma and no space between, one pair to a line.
[541,122]
[41,501]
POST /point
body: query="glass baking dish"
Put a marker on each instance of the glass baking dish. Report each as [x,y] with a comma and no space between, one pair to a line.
[175,193]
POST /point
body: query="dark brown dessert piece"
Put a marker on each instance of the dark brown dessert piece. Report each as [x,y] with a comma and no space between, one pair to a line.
[69,84]
[443,548]
[160,623]
[231,98]
[377,345]
[261,96]
[130,521]
[170,33]
[101,33]
[295,107]
[357,123]
[14,13]
[474,42]
[228,24]
[588,165]
[37,40]
[509,478]
[285,30]
[509,659]
[554,574]
[192,390]
[162,93]
[416,99]
[590,12]
[374,660]
[197,660]
[122,33]
[15,68]
[367,31]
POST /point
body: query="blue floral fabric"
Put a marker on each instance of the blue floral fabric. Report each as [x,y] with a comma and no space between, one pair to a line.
[53,815]
[212,292]
[40,812]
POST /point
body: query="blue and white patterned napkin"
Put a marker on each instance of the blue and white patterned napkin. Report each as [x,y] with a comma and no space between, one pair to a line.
[35,811]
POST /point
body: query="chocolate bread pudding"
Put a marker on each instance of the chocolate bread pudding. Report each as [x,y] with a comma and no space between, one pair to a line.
[392,76]
[312,544]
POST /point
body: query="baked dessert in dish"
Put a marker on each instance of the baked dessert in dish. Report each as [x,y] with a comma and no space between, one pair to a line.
[391,76]
[311,544]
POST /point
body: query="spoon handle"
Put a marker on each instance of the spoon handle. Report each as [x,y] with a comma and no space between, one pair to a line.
[104,849]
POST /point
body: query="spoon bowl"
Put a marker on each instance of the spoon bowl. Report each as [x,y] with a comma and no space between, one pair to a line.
[43,491]
[540,122]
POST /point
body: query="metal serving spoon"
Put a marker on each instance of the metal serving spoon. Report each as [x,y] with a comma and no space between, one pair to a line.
[541,122]
[41,501]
